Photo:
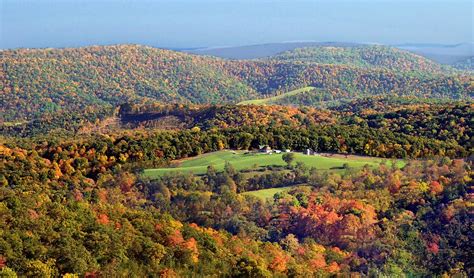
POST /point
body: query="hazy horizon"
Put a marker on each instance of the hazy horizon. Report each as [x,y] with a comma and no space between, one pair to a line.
[214,23]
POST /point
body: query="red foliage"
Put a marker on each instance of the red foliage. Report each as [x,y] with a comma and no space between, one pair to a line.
[3,261]
[433,247]
[332,221]
[92,274]
[301,251]
[126,181]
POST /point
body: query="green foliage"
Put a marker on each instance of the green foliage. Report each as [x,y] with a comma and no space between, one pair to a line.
[74,207]
[70,89]
[241,161]
[383,57]
[77,202]
[288,158]
[278,98]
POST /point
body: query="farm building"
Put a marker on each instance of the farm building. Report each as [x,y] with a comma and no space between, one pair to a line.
[265,149]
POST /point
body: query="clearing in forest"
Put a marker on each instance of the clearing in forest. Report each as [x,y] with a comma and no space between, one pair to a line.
[243,160]
[270,100]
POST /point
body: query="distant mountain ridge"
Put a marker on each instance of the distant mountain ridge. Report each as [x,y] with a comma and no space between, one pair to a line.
[466,64]
[440,53]
[261,50]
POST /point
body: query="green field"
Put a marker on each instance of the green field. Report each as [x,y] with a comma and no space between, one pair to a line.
[266,193]
[240,160]
[269,100]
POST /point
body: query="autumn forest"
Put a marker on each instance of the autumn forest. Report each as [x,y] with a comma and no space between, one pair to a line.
[387,192]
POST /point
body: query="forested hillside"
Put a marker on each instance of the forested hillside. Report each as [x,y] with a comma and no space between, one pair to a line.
[48,84]
[407,125]
[447,122]
[81,128]
[369,57]
[351,157]
[44,82]
[81,206]
[221,116]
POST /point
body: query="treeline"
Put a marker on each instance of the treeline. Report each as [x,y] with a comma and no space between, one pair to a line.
[92,156]
[343,81]
[373,126]
[62,123]
[371,105]
[44,82]
[220,116]
[442,122]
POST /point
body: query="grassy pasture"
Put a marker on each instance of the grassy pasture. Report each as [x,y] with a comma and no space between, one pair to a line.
[266,193]
[241,161]
[269,100]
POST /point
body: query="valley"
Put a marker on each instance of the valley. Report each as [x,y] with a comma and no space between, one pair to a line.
[134,161]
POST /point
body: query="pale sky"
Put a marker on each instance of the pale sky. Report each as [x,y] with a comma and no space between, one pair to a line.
[206,23]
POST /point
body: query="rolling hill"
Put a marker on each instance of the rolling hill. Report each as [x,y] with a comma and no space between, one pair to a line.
[440,53]
[369,57]
[65,88]
[45,81]
[260,50]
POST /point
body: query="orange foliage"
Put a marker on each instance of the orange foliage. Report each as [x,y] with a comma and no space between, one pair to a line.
[175,239]
[103,195]
[168,273]
[436,187]
[333,267]
[103,219]
[191,245]
[279,262]
[33,214]
[318,261]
